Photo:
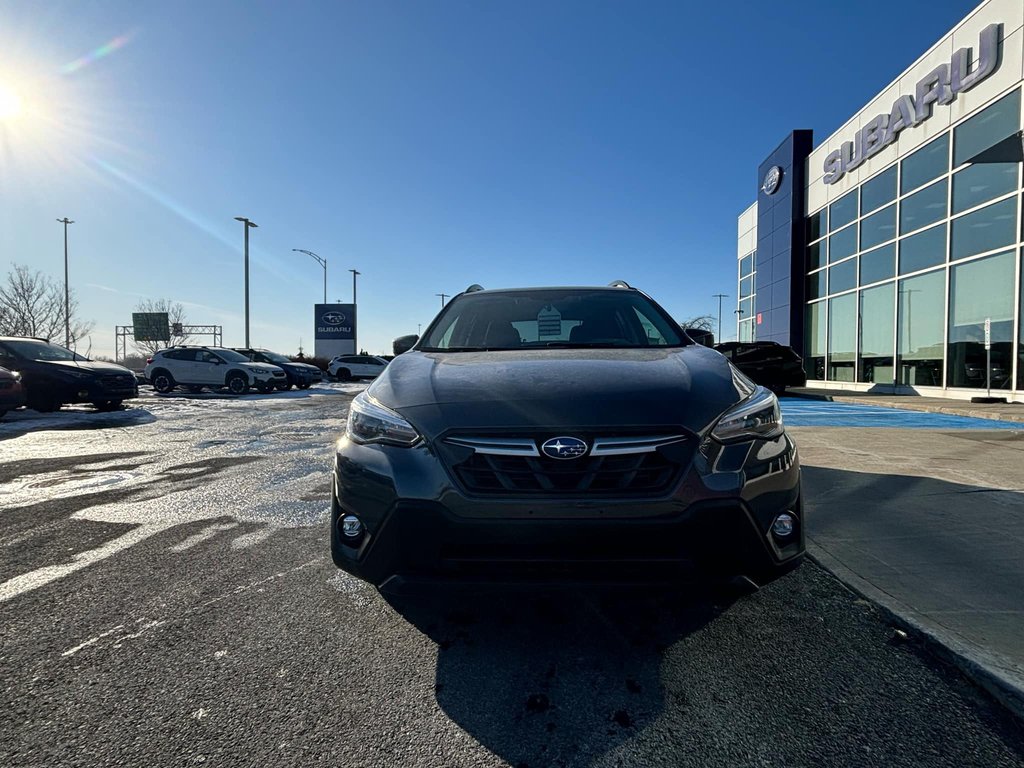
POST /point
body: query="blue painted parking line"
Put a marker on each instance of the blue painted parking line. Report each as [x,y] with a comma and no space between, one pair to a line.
[797,412]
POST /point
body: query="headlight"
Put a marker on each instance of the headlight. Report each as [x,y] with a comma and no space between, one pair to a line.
[258,370]
[371,422]
[16,375]
[756,417]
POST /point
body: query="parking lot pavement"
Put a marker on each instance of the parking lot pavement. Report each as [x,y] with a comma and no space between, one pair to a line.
[929,525]
[168,599]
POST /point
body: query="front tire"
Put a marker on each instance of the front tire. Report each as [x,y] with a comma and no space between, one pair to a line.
[163,382]
[343,374]
[43,403]
[237,384]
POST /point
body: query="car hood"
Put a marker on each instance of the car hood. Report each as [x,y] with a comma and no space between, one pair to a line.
[85,366]
[268,367]
[689,386]
[302,367]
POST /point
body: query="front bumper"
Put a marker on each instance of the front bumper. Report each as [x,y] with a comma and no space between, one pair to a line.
[94,391]
[421,527]
[11,396]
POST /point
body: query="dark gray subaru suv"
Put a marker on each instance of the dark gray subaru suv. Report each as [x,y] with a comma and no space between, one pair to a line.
[563,434]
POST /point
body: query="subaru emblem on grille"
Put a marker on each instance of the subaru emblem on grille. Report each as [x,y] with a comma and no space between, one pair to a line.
[564,448]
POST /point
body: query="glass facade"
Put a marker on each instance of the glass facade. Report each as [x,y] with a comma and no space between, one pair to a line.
[747,292]
[906,273]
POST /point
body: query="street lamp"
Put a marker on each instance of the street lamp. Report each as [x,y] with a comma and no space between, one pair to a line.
[323,263]
[355,326]
[247,224]
[443,297]
[67,291]
[720,296]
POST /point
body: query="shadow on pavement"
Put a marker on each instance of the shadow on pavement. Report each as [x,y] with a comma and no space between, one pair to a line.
[560,677]
[25,420]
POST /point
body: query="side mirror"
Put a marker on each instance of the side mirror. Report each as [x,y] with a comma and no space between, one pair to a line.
[700,336]
[404,343]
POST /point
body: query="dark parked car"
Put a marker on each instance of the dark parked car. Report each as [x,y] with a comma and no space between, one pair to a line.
[301,375]
[12,394]
[563,434]
[53,376]
[767,363]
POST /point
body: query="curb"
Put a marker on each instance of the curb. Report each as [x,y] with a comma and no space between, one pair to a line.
[948,410]
[808,396]
[940,642]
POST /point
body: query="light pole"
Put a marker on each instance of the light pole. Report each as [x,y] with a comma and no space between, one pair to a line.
[247,224]
[323,263]
[443,297]
[67,291]
[720,296]
[355,326]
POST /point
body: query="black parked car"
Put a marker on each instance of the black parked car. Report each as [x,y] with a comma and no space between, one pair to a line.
[767,363]
[53,376]
[301,375]
[563,434]
[12,394]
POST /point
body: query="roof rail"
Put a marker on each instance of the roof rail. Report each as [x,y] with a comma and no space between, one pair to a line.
[619,284]
[474,288]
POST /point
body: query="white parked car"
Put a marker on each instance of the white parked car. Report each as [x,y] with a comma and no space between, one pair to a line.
[214,367]
[347,367]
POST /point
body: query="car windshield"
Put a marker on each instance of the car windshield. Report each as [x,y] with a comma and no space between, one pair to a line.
[230,356]
[41,350]
[274,357]
[568,318]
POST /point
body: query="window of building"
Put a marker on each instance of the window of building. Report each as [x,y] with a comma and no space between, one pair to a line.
[878,227]
[842,337]
[877,334]
[746,286]
[842,244]
[923,250]
[929,162]
[746,308]
[923,208]
[842,211]
[817,225]
[746,331]
[1020,338]
[992,227]
[988,127]
[921,319]
[842,277]
[814,341]
[978,291]
[816,255]
[747,265]
[879,264]
[816,286]
[879,191]
[980,183]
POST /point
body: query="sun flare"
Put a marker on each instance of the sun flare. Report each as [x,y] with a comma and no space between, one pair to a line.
[10,102]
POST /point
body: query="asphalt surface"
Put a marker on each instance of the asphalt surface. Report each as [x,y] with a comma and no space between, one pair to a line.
[167,598]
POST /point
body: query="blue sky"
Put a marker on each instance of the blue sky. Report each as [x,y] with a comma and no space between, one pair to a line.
[430,145]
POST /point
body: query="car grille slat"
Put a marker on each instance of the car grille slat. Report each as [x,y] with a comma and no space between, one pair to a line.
[503,466]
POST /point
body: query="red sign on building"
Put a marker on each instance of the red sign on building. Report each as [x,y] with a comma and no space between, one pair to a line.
[758,318]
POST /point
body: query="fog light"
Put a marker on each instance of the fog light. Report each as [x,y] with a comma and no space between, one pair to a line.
[783,525]
[351,526]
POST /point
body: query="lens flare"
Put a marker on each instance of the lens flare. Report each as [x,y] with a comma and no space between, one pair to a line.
[10,102]
[95,55]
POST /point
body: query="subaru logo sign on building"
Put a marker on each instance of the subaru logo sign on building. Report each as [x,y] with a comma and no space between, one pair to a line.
[772,179]
[564,448]
[334,328]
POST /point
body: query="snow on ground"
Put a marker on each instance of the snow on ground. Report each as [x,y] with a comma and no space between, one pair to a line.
[248,465]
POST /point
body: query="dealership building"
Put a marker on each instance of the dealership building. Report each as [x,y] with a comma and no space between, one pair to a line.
[889,254]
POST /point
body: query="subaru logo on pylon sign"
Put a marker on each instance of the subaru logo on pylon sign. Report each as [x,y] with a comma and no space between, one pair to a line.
[772,179]
[564,448]
[333,318]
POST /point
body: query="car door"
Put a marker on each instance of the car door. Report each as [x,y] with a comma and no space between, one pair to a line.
[208,369]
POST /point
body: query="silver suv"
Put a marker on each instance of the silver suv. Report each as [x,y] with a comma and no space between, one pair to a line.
[213,367]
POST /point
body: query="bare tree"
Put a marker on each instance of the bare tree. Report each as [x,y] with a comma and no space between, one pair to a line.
[31,304]
[701,323]
[175,318]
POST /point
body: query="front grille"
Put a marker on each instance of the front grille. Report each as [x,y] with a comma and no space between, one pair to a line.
[118,381]
[625,466]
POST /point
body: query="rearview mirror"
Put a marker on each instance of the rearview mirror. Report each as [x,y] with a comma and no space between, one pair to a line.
[404,343]
[700,336]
